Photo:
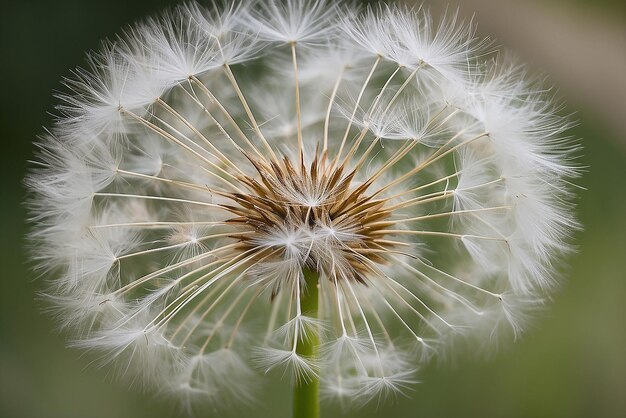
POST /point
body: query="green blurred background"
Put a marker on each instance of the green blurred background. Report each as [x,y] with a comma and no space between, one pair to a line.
[572,364]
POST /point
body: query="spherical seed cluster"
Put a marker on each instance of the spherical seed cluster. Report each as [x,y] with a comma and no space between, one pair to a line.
[209,161]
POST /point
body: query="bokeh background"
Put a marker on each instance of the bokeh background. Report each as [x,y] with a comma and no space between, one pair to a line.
[572,364]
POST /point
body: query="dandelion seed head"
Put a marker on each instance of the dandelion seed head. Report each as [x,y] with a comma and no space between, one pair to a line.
[207,161]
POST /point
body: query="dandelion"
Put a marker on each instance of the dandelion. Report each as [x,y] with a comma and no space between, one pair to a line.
[298,189]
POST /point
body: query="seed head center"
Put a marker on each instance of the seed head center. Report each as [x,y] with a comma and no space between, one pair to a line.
[312,215]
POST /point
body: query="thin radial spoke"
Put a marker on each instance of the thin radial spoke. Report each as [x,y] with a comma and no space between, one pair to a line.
[195,130]
[246,256]
[433,158]
[224,111]
[196,308]
[298,116]
[214,165]
[162,198]
[434,233]
[384,88]
[246,107]
[378,320]
[159,224]
[397,315]
[385,280]
[339,307]
[330,105]
[401,153]
[171,181]
[143,308]
[173,267]
[432,197]
[409,145]
[439,215]
[424,186]
[444,290]
[380,94]
[367,326]
[220,322]
[390,281]
[461,281]
[420,200]
[402,87]
[296,331]
[355,145]
[356,107]
[271,323]
[253,298]
[170,247]
[172,138]
[237,278]
[199,289]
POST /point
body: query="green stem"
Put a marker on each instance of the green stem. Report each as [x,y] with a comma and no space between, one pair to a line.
[306,393]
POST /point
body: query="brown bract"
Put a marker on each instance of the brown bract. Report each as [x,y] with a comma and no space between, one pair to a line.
[320,200]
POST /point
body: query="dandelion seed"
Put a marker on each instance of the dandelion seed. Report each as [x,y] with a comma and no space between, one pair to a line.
[297,189]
